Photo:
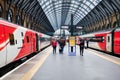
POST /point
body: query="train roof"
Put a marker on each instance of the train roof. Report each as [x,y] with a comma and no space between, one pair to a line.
[91,34]
[101,32]
[5,22]
[117,29]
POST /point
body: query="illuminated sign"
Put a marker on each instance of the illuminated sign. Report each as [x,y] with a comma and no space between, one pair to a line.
[72,41]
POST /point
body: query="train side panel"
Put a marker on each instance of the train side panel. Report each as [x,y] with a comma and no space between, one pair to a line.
[117,42]
[28,44]
[9,47]
[110,41]
[16,44]
[45,41]
[3,43]
[101,41]
[40,35]
[92,41]
[96,40]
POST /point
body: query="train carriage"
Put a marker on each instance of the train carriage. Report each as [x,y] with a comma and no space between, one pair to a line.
[116,41]
[17,42]
[108,41]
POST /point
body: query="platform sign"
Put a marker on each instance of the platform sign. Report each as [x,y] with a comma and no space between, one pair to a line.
[72,46]
[72,41]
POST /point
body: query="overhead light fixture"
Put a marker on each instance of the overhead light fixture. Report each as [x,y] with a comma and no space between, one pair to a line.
[64,27]
[79,27]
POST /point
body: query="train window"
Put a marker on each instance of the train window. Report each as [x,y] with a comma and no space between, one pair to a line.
[27,38]
[108,38]
[97,39]
[0,11]
[102,39]
[16,41]
[21,33]
[23,41]
[11,38]
[42,39]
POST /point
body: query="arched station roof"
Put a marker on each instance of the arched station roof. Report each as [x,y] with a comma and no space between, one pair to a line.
[59,12]
[52,14]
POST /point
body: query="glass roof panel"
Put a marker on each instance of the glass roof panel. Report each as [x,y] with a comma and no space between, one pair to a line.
[59,11]
[88,3]
[91,6]
[84,1]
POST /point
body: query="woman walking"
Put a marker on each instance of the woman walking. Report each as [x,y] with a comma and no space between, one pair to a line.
[54,45]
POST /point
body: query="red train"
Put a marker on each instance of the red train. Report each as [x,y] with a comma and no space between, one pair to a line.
[17,42]
[108,41]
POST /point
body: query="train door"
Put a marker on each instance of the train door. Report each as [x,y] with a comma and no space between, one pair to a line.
[34,42]
[116,42]
[16,45]
[20,40]
[109,42]
[2,46]
[37,42]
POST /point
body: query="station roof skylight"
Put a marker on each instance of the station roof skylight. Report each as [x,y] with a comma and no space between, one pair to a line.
[59,11]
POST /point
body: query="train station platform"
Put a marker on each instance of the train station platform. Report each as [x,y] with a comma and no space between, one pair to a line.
[93,65]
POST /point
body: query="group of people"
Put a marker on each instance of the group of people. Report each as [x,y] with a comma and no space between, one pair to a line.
[62,42]
[55,42]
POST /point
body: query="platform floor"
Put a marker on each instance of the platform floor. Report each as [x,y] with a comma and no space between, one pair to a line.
[93,65]
[88,67]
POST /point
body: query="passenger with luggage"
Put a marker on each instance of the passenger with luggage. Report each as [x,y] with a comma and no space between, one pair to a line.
[62,43]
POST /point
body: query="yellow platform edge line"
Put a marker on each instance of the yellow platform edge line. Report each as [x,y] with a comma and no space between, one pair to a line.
[107,58]
[34,69]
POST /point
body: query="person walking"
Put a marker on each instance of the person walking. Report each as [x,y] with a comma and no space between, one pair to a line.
[61,44]
[54,45]
[81,46]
